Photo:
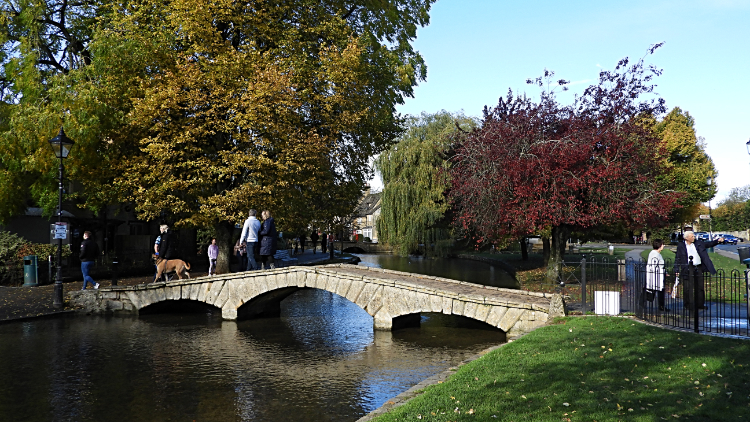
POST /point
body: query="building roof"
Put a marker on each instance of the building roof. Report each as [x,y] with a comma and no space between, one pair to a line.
[37,212]
[369,204]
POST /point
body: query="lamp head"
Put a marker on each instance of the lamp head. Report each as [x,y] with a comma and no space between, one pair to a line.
[61,144]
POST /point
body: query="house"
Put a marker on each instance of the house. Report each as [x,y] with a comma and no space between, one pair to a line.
[365,217]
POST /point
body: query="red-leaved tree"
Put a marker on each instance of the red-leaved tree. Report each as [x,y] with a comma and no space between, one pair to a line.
[540,165]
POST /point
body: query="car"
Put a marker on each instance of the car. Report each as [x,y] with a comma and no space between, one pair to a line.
[702,236]
[730,239]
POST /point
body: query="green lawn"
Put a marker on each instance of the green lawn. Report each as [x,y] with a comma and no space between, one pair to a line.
[595,369]
[667,254]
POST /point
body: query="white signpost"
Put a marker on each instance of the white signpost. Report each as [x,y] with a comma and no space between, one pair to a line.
[61,231]
[705,217]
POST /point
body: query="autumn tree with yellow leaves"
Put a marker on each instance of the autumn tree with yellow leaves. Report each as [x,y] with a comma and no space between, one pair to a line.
[687,164]
[198,111]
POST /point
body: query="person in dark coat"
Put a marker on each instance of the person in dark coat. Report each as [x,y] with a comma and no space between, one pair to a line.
[695,249]
[88,255]
[302,240]
[314,238]
[167,244]
[165,247]
[323,242]
[268,240]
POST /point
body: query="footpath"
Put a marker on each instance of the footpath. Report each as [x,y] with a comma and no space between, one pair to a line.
[18,303]
[635,252]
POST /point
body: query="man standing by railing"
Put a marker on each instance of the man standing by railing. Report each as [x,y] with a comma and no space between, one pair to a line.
[691,247]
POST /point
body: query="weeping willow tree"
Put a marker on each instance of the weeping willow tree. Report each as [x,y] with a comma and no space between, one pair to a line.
[415,178]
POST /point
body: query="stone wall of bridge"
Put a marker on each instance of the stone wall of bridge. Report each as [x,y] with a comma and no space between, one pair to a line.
[392,298]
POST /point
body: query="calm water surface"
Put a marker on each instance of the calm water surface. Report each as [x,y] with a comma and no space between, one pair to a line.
[320,361]
[456,269]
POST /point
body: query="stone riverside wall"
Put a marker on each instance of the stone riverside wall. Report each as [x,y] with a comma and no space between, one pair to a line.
[392,298]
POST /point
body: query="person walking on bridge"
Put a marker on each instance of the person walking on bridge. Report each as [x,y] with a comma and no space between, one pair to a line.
[213,255]
[164,247]
[249,237]
[267,240]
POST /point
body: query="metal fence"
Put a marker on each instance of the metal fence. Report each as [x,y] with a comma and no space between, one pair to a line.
[653,292]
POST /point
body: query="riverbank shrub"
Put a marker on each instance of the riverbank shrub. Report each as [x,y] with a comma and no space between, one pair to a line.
[9,246]
[12,250]
[594,368]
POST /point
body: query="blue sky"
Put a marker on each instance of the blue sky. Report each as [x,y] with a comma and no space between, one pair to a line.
[476,49]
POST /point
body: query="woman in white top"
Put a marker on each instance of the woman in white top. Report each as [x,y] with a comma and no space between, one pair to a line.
[655,272]
[213,254]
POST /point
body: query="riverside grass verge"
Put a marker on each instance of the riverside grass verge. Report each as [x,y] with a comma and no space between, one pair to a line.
[594,369]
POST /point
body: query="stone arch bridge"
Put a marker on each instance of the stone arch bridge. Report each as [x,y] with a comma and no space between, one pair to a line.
[393,298]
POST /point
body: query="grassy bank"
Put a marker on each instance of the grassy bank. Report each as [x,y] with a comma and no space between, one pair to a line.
[594,369]
[531,274]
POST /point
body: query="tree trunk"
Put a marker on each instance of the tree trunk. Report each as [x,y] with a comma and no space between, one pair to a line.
[224,231]
[563,245]
[545,251]
[559,235]
[524,249]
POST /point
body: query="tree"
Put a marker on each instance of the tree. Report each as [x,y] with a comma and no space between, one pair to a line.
[687,164]
[736,196]
[415,179]
[536,165]
[198,111]
[42,43]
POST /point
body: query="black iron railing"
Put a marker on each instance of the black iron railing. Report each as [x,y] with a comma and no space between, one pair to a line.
[660,292]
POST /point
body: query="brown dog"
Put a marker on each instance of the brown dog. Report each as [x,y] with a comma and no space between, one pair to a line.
[165,266]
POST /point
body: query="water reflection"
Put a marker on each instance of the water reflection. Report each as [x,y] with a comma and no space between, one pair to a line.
[321,361]
[456,269]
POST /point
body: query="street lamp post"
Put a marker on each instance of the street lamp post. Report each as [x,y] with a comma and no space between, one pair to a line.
[709,182]
[61,145]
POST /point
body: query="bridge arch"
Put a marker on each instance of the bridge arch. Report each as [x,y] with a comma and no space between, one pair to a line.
[390,297]
[178,306]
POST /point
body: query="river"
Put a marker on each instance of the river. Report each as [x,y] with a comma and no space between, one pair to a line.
[320,361]
[453,268]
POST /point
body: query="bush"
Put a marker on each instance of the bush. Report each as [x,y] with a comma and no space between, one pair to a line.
[366,239]
[10,244]
[12,250]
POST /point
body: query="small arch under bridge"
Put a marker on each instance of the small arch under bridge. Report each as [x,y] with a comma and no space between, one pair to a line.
[392,298]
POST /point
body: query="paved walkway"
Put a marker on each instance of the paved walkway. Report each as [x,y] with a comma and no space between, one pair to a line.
[635,252]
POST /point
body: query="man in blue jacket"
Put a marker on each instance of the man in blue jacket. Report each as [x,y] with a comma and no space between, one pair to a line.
[695,249]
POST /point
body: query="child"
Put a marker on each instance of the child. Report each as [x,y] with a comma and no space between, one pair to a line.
[213,254]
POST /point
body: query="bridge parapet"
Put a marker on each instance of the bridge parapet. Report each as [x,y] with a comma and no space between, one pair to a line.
[390,297]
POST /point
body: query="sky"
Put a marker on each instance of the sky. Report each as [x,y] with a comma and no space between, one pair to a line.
[476,50]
